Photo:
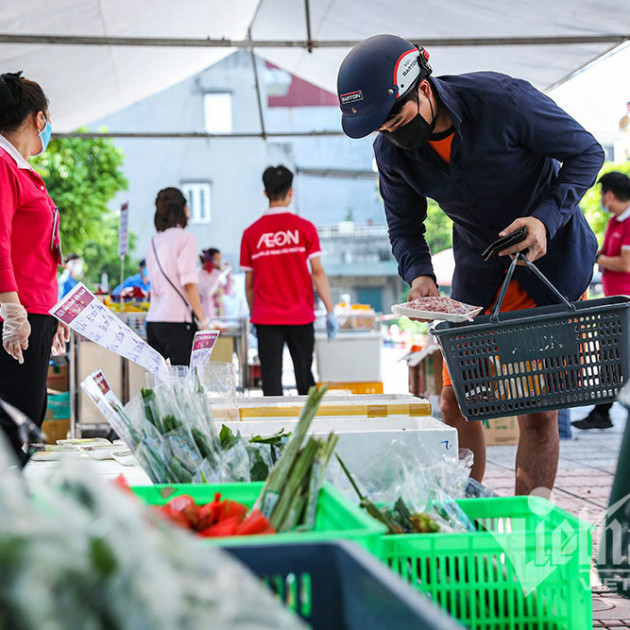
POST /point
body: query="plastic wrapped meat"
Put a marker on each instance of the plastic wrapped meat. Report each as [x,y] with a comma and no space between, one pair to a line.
[437,308]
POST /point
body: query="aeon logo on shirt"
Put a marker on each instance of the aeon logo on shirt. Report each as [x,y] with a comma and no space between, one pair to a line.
[270,240]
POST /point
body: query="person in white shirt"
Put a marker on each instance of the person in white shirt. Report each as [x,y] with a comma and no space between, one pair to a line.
[215,281]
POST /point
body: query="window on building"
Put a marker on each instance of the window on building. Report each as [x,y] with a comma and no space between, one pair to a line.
[218,112]
[198,195]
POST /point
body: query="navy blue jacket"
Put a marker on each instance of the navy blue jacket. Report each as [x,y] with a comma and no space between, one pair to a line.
[514,153]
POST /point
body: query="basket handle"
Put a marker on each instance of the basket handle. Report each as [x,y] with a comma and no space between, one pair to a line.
[494,317]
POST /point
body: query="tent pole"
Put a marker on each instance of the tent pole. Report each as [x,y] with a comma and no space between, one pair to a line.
[162,135]
[98,40]
[261,115]
[309,39]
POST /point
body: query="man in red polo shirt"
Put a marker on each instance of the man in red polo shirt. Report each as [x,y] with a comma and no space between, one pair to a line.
[614,262]
[275,252]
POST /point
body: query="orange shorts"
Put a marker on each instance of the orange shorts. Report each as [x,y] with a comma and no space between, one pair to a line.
[515,300]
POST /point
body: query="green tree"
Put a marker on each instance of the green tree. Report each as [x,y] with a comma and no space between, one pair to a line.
[439,228]
[439,234]
[590,204]
[82,176]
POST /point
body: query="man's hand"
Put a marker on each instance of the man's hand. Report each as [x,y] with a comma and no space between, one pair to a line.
[535,243]
[423,286]
[61,338]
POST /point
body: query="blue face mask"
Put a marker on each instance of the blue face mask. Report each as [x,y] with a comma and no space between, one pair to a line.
[44,136]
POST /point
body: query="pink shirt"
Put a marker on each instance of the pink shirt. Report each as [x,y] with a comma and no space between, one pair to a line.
[177,252]
[29,233]
[617,238]
[277,248]
[211,289]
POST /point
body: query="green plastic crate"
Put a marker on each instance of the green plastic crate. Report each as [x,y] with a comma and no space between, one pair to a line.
[527,568]
[337,517]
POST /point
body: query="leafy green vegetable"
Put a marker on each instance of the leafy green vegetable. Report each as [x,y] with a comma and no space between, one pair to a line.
[227,438]
[274,439]
[399,520]
[259,470]
[202,443]
[148,403]
[171,423]
[102,557]
[179,472]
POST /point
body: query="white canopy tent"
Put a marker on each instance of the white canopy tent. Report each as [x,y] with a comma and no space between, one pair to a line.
[95,57]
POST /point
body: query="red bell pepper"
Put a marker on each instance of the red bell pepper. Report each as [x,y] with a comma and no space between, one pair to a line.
[226,527]
[233,508]
[174,516]
[122,483]
[255,523]
[206,516]
[185,504]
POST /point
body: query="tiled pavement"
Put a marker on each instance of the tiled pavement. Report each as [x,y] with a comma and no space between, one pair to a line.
[586,469]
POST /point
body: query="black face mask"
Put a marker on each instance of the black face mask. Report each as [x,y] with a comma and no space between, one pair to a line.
[415,133]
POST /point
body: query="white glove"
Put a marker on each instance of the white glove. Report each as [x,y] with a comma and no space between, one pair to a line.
[16,329]
[204,325]
[62,337]
[226,270]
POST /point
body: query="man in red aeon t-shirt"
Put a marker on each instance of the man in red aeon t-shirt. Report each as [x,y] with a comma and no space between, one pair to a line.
[614,263]
[275,251]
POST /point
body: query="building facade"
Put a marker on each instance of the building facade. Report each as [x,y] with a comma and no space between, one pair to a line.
[335,185]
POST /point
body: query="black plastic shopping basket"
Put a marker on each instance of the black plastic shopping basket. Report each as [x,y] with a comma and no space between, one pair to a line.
[550,357]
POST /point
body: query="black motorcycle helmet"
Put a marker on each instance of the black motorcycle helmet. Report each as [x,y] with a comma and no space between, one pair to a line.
[373,76]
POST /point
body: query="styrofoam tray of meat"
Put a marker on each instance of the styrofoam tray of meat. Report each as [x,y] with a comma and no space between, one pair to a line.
[442,308]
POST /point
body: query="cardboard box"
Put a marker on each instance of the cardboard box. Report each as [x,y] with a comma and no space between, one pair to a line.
[58,377]
[425,371]
[223,349]
[501,431]
[56,430]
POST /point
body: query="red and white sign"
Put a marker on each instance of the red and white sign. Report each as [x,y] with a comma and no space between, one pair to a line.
[88,316]
[203,344]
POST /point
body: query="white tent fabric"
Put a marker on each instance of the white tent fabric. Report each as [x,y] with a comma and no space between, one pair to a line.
[435,19]
[86,82]
[599,96]
[444,267]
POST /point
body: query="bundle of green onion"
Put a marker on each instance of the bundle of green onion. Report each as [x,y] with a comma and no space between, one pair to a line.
[289,496]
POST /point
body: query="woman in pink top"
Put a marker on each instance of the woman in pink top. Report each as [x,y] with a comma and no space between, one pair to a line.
[215,281]
[171,263]
[29,254]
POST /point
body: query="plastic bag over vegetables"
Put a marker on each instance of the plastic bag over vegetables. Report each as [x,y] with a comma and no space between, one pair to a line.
[407,482]
[171,429]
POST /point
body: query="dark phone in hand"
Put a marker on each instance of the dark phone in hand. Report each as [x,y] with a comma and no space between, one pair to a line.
[493,250]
